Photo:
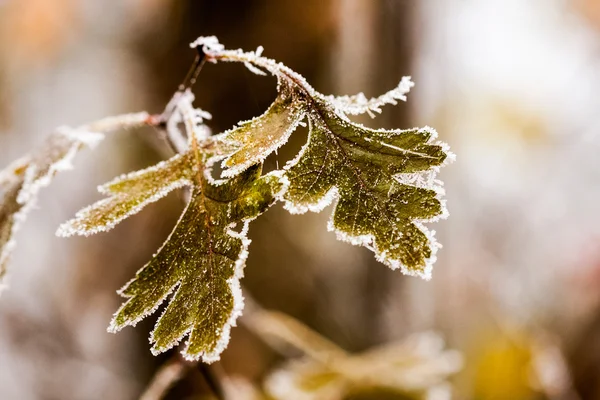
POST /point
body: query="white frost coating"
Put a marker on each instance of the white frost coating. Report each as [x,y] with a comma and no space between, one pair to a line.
[181,110]
[238,304]
[329,197]
[359,104]
[251,67]
[285,184]
[8,176]
[193,118]
[234,282]
[422,179]
[70,228]
[208,43]
[369,242]
[400,149]
[90,139]
[114,327]
[105,188]
[87,135]
[254,69]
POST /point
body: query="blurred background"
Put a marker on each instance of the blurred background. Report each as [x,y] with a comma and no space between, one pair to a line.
[511,85]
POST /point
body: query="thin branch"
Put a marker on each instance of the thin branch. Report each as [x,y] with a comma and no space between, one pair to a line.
[165,378]
[125,121]
[194,71]
[211,376]
[174,370]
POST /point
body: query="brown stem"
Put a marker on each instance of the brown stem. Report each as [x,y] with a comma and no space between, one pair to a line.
[194,71]
[164,379]
[212,378]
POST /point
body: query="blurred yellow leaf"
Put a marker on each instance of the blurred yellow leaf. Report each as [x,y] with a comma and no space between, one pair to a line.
[415,367]
[502,367]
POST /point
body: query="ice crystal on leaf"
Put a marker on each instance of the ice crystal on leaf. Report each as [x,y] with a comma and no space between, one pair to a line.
[359,104]
[202,260]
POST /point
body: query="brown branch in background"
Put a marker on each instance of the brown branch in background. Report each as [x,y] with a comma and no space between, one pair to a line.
[213,376]
[175,370]
[165,378]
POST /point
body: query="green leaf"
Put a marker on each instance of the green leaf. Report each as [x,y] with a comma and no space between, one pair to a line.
[129,194]
[254,140]
[377,206]
[201,262]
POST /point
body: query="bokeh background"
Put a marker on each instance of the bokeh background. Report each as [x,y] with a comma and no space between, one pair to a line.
[511,85]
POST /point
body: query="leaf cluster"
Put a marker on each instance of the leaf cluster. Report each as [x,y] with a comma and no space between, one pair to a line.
[382,183]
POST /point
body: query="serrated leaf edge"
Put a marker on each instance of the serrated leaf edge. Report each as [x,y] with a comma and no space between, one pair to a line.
[368,241]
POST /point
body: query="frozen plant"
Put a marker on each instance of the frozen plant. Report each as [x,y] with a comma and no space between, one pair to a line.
[382,183]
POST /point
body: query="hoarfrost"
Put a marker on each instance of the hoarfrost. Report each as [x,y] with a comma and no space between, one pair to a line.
[359,104]
[21,181]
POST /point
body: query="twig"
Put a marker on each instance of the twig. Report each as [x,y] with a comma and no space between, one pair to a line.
[211,377]
[164,379]
[192,75]
[125,121]
[174,137]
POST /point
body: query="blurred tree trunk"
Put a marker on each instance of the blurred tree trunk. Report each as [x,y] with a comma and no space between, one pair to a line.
[373,50]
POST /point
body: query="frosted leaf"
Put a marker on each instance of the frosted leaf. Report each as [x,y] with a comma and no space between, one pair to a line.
[359,104]
[21,182]
[364,168]
[208,43]
[201,262]
[418,366]
[11,181]
[254,69]
[254,140]
[383,181]
[129,194]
